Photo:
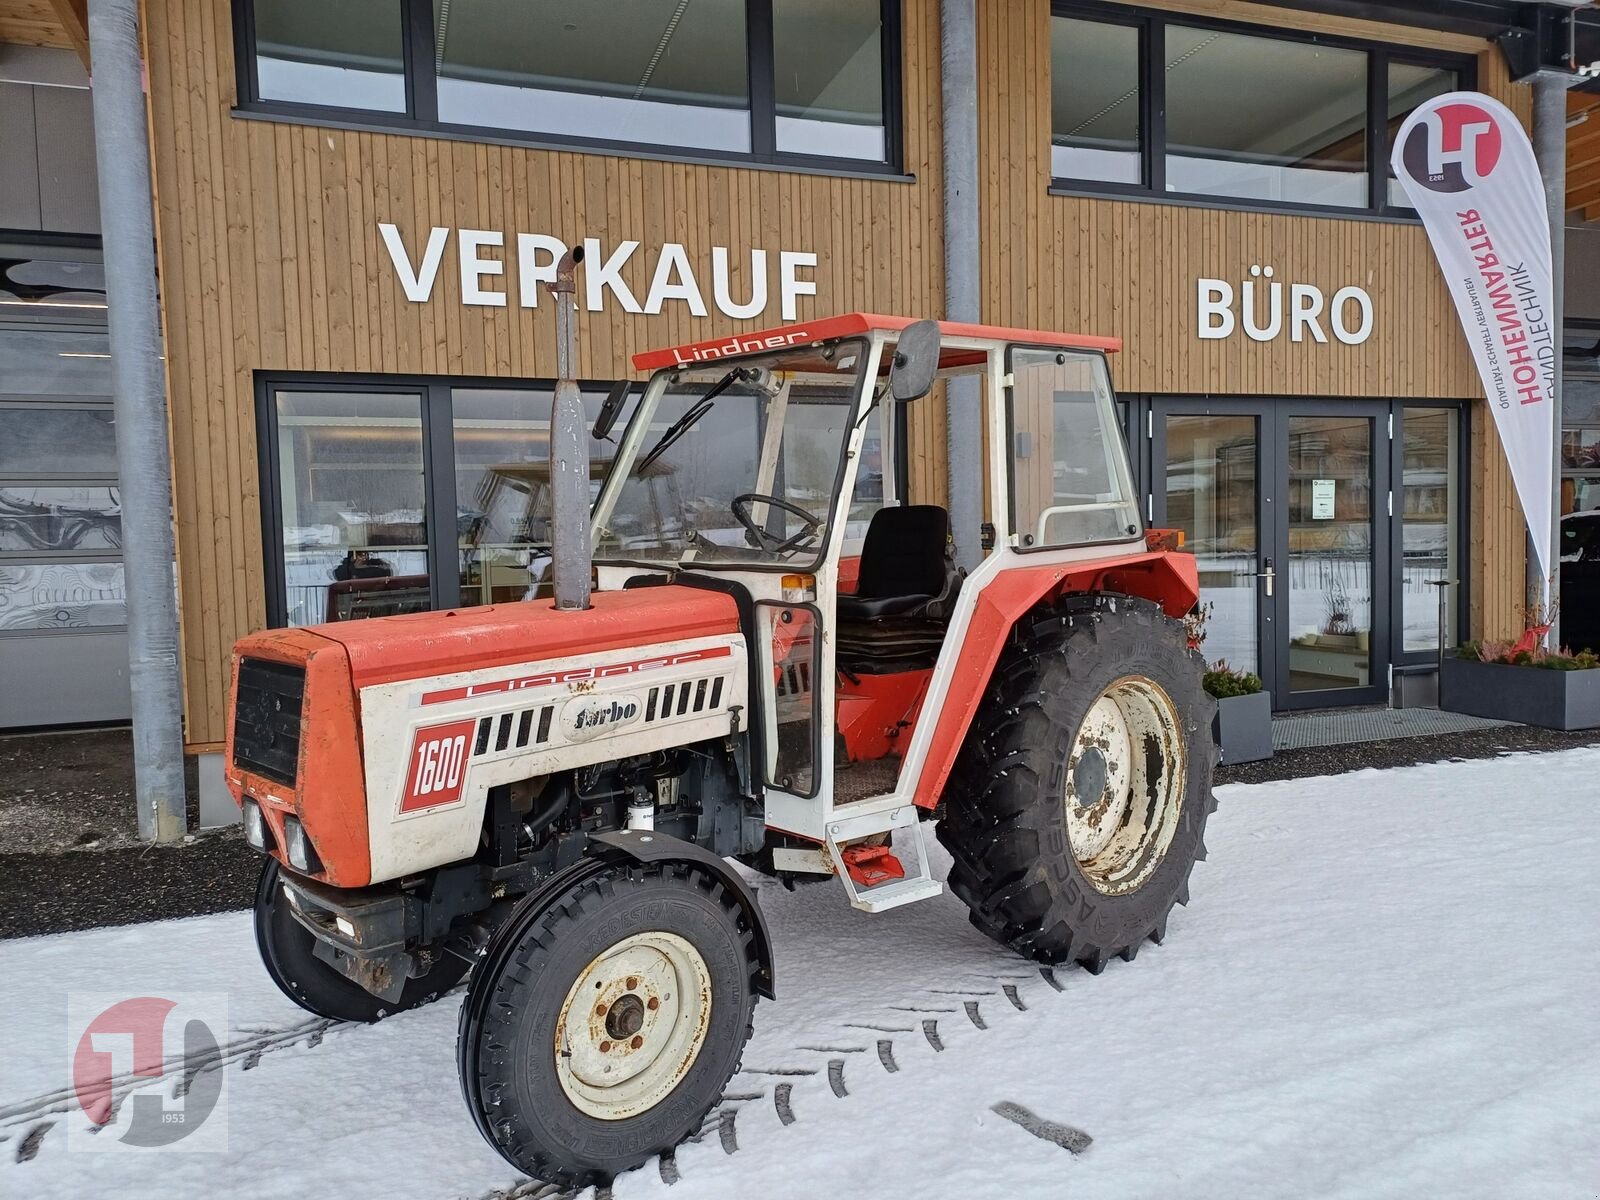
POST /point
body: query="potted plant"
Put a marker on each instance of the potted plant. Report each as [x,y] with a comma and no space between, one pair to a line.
[1242,727]
[1522,681]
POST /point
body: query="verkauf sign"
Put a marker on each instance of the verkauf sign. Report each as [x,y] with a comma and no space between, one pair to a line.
[482,256]
[1469,171]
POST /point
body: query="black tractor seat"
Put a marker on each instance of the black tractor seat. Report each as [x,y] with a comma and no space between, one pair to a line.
[904,595]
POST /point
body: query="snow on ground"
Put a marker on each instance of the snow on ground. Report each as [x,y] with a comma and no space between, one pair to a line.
[1386,986]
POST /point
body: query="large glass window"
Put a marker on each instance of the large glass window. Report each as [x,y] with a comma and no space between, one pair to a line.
[1254,115]
[1069,475]
[350,487]
[1428,528]
[1095,121]
[626,70]
[339,53]
[762,80]
[1307,145]
[828,78]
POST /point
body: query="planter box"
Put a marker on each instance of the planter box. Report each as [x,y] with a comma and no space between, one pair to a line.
[1243,728]
[1531,695]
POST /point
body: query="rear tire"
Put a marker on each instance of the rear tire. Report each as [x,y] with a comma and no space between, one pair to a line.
[1100,696]
[287,952]
[606,1019]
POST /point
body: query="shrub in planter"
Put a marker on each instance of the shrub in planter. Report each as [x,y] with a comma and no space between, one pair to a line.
[1523,682]
[1243,724]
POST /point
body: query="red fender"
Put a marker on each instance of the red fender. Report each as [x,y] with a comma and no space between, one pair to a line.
[1171,580]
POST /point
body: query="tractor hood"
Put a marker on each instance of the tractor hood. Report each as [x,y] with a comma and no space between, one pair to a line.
[424,645]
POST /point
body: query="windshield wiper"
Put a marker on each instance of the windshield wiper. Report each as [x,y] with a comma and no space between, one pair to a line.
[684,423]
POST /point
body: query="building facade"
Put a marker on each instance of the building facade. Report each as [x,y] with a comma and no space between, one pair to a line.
[358,204]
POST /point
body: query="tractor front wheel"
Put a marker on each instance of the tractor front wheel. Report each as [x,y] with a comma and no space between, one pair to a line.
[606,1019]
[1078,805]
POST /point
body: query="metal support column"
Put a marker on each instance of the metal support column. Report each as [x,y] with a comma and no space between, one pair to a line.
[958,86]
[1550,149]
[138,386]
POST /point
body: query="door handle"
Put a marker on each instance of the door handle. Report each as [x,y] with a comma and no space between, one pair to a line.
[1269,575]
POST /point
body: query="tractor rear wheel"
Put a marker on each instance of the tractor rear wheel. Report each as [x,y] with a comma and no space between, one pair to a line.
[1078,804]
[606,1018]
[288,953]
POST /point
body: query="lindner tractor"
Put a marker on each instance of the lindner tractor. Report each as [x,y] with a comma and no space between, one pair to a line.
[790,672]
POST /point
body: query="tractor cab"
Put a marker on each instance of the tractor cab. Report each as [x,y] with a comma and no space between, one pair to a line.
[798,454]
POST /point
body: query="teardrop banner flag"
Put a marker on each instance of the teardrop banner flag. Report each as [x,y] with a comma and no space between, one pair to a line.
[1468,169]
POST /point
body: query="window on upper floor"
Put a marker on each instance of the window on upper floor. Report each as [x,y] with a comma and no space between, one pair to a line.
[1143,103]
[780,81]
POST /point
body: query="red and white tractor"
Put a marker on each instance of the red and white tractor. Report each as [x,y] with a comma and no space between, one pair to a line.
[788,670]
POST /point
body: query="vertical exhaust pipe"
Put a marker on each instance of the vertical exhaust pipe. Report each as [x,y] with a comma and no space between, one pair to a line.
[569,450]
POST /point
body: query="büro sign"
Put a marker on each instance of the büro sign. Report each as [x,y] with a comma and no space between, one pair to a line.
[1266,307]
[485,257]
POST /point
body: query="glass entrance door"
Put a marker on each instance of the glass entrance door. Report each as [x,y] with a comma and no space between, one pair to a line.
[1285,506]
[1332,593]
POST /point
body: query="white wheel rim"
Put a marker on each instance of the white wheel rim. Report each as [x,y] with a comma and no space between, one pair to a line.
[632,1025]
[1124,785]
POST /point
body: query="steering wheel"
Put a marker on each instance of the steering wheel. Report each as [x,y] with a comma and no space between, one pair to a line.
[770,542]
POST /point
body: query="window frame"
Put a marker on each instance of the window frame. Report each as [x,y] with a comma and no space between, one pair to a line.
[437,410]
[421,116]
[1152,24]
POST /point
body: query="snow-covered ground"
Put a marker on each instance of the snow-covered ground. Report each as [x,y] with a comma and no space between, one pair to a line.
[1387,985]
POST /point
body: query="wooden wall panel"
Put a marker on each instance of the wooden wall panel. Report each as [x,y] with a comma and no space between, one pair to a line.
[271,260]
[1129,269]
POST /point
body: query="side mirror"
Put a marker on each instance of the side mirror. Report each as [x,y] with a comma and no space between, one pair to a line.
[611,409]
[916,361]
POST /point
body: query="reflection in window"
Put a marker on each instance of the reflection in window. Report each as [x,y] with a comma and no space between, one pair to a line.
[828,78]
[51,290]
[1211,496]
[341,53]
[1260,118]
[57,441]
[1069,474]
[39,362]
[54,596]
[57,520]
[1428,524]
[624,70]
[1409,86]
[1094,101]
[503,491]
[350,478]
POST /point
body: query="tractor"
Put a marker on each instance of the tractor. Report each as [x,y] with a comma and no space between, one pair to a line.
[788,670]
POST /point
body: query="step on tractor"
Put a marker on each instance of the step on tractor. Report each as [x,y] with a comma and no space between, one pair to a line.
[775,661]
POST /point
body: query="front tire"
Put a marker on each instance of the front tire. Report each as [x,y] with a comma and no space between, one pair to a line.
[606,1019]
[1077,806]
[287,952]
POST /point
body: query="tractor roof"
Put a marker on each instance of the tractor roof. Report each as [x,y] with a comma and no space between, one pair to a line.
[737,345]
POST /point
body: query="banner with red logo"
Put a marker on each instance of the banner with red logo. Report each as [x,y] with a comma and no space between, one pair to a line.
[1468,169]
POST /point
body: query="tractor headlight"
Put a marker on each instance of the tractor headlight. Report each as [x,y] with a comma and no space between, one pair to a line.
[298,847]
[255,827]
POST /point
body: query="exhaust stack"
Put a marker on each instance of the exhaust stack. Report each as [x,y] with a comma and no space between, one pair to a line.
[569,450]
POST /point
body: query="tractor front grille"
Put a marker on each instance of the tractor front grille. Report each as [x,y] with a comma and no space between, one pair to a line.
[266,719]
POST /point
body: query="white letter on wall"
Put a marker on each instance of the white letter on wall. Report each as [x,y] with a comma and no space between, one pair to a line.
[1215,298]
[598,275]
[1305,306]
[418,284]
[1260,333]
[674,259]
[722,285]
[1336,316]
[789,286]
[531,273]
[474,268]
